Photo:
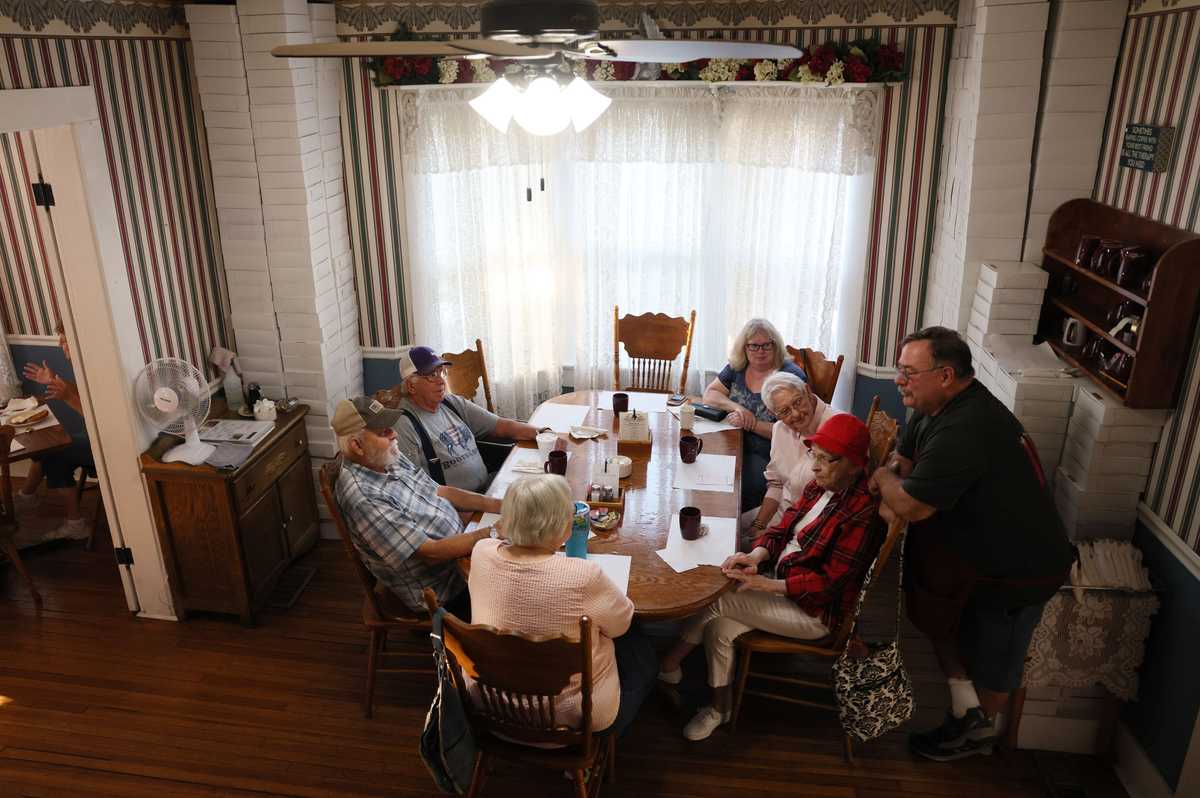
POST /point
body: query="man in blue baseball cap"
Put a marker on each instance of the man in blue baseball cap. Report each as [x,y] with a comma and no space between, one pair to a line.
[437,430]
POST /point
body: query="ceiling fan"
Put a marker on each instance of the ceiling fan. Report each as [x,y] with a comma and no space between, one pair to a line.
[546,35]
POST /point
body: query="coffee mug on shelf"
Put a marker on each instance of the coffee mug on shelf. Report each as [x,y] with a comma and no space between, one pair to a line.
[1147,281]
[1067,284]
[1074,333]
[1085,250]
[689,448]
[1135,262]
[1119,366]
[1094,350]
[556,463]
[1107,258]
[690,526]
[1126,307]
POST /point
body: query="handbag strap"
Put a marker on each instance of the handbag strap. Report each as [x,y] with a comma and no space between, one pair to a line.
[862,591]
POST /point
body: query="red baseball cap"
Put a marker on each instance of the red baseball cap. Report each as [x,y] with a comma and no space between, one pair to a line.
[845,435]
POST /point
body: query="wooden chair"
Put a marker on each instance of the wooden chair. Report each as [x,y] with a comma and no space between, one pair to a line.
[468,370]
[8,514]
[382,611]
[652,341]
[98,518]
[883,437]
[822,372]
[516,679]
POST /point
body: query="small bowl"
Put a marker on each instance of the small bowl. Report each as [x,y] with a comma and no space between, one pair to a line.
[623,463]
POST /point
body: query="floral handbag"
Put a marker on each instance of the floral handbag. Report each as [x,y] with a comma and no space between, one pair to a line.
[874,694]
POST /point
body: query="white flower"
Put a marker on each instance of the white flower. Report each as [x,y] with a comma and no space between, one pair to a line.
[720,69]
[805,75]
[447,70]
[580,68]
[784,63]
[483,72]
[604,71]
[834,75]
[765,70]
[858,52]
[674,69]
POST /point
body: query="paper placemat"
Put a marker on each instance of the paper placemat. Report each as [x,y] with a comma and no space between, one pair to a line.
[712,472]
[711,549]
[702,426]
[638,400]
[614,566]
[559,417]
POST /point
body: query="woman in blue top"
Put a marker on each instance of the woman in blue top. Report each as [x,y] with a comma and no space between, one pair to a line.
[757,353]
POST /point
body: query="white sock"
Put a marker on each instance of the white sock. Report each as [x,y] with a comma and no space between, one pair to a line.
[962,696]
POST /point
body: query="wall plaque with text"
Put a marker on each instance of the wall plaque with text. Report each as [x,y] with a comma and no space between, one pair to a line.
[1147,147]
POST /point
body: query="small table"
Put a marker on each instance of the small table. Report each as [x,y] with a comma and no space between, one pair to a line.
[657,591]
[39,442]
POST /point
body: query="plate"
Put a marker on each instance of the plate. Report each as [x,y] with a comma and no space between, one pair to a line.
[584,433]
[32,417]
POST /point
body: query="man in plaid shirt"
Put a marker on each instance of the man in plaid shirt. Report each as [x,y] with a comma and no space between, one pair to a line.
[803,575]
[406,527]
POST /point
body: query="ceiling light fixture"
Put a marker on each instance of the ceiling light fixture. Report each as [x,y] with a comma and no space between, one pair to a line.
[542,107]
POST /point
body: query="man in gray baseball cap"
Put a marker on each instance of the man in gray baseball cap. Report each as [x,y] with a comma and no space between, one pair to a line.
[407,528]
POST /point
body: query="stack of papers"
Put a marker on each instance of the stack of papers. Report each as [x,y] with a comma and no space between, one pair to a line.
[559,417]
[226,431]
[614,566]
[710,472]
[711,549]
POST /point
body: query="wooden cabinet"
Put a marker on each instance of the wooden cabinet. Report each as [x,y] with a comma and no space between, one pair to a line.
[1159,352]
[227,535]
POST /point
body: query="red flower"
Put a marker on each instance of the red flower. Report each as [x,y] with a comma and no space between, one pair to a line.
[624,70]
[745,72]
[890,58]
[786,72]
[822,60]
[856,71]
[422,66]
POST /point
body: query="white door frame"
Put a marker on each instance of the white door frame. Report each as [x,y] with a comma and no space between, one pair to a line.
[92,288]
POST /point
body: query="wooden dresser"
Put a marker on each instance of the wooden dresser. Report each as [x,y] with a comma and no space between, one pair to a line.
[227,535]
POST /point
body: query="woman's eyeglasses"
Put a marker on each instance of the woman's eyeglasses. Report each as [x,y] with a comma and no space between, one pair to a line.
[824,459]
[796,408]
[763,347]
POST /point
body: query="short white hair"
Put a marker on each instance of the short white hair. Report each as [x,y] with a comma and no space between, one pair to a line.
[780,381]
[344,441]
[737,352]
[536,509]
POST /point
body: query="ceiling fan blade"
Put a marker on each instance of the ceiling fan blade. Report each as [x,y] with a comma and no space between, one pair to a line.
[499,49]
[365,50]
[678,51]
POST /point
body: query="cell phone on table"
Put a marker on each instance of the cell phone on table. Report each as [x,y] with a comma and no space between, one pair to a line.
[676,399]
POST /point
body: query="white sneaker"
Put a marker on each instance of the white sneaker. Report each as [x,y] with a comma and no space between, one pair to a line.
[671,677]
[26,501]
[705,723]
[74,528]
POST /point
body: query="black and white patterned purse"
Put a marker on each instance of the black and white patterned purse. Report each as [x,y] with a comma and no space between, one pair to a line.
[874,694]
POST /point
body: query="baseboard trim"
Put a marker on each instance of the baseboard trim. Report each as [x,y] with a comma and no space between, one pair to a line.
[381,352]
[1188,558]
[1135,770]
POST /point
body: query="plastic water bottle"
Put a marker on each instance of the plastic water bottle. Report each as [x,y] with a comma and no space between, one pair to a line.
[577,543]
[234,398]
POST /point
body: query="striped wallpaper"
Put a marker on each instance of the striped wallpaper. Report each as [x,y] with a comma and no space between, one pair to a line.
[151,116]
[902,215]
[1158,81]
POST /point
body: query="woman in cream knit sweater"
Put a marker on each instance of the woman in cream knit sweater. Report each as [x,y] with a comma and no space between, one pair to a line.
[522,585]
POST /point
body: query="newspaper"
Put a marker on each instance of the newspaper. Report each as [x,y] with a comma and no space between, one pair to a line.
[227,431]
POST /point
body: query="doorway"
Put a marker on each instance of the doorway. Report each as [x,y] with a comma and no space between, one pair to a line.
[92,292]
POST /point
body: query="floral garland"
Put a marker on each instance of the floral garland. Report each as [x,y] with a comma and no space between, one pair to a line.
[862,61]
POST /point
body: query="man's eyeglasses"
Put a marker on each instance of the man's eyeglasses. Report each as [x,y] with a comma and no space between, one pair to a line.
[440,374]
[824,459]
[763,347]
[906,373]
[796,408]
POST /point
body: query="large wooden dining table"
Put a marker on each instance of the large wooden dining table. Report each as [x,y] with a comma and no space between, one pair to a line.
[657,591]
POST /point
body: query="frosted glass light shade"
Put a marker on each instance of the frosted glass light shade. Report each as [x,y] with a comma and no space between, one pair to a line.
[586,103]
[497,103]
[540,110]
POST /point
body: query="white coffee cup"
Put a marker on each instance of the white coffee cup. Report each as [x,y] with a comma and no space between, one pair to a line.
[545,443]
[687,416]
[1074,333]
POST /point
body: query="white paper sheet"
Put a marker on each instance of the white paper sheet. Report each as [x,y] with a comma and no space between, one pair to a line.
[486,520]
[531,463]
[702,426]
[614,566]
[710,472]
[15,446]
[711,549]
[559,417]
[638,400]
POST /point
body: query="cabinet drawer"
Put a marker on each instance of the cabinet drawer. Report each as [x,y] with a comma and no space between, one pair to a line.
[263,474]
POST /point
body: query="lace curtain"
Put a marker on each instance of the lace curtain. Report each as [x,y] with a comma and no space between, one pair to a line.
[10,381]
[734,201]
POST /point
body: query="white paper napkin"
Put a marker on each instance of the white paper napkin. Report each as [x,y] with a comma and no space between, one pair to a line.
[712,472]
[614,566]
[559,417]
[711,549]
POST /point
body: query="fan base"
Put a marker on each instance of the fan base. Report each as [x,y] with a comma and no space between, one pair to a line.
[190,452]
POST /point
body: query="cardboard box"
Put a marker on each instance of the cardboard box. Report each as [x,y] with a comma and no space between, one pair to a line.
[1082,426]
[1095,500]
[1010,296]
[1090,402]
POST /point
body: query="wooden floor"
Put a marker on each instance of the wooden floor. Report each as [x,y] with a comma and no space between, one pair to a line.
[94,702]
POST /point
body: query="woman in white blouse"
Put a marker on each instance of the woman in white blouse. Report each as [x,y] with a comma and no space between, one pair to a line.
[800,412]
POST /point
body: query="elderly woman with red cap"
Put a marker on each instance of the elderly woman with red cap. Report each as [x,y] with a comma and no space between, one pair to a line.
[803,574]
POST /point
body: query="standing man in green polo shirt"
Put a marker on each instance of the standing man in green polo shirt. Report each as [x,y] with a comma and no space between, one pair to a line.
[986,549]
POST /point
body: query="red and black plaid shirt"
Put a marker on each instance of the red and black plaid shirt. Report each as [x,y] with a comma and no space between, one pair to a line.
[836,549]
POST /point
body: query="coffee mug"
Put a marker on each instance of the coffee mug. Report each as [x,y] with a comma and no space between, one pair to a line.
[689,523]
[1122,309]
[620,403]
[1067,284]
[1085,250]
[1074,333]
[687,416]
[689,448]
[556,463]
[545,443]
[1132,268]
[1107,258]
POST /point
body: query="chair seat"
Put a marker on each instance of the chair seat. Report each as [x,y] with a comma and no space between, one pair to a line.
[395,612]
[766,643]
[569,758]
